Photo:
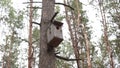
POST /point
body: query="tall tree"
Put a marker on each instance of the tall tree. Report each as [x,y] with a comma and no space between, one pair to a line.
[78,32]
[87,43]
[112,7]
[109,42]
[79,21]
[74,42]
[46,58]
[105,30]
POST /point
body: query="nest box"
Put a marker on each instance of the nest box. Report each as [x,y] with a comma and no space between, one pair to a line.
[54,34]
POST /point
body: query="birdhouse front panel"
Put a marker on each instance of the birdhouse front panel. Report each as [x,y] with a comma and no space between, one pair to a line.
[54,35]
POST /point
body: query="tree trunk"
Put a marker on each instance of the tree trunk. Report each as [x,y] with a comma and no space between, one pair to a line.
[104,22]
[30,56]
[46,58]
[87,47]
[74,42]
[10,49]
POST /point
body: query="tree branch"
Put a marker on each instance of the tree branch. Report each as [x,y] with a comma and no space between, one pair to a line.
[25,40]
[54,16]
[31,2]
[36,23]
[35,41]
[55,3]
[35,7]
[65,5]
[28,41]
[65,58]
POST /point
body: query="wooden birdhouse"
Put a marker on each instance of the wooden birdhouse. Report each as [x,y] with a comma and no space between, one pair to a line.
[54,34]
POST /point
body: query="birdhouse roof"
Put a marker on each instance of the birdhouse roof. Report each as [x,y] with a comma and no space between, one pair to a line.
[57,23]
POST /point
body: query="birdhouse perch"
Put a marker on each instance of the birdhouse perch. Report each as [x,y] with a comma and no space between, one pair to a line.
[54,34]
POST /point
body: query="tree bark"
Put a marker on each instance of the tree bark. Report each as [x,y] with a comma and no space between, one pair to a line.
[87,48]
[74,42]
[104,22]
[46,58]
[30,56]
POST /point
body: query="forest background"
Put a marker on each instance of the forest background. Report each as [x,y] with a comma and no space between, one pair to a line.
[100,21]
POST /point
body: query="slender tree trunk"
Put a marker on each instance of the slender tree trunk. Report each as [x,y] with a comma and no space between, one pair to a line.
[78,12]
[87,47]
[5,59]
[105,34]
[46,58]
[30,55]
[74,42]
[10,49]
[78,21]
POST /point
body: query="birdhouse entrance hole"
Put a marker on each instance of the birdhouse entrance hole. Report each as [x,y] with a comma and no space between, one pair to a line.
[57,27]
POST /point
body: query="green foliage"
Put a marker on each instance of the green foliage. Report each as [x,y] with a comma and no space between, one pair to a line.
[111,10]
[10,50]
[65,50]
[36,37]
[65,47]
[13,20]
[73,4]
[5,3]
[36,15]
[36,33]
[59,17]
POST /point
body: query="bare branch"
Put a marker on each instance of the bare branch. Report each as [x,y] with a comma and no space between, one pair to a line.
[35,7]
[55,3]
[31,2]
[65,5]
[54,16]
[35,41]
[25,40]
[36,23]
[65,58]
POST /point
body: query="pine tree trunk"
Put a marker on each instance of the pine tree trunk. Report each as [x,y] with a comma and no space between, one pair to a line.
[47,58]
[74,42]
[87,48]
[30,56]
[10,49]
[104,22]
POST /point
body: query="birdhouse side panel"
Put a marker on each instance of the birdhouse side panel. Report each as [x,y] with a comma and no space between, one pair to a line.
[55,36]
[50,34]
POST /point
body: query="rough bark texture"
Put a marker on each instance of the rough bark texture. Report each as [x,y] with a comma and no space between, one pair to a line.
[47,58]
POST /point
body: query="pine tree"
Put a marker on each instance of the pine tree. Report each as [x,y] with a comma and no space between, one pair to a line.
[46,58]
